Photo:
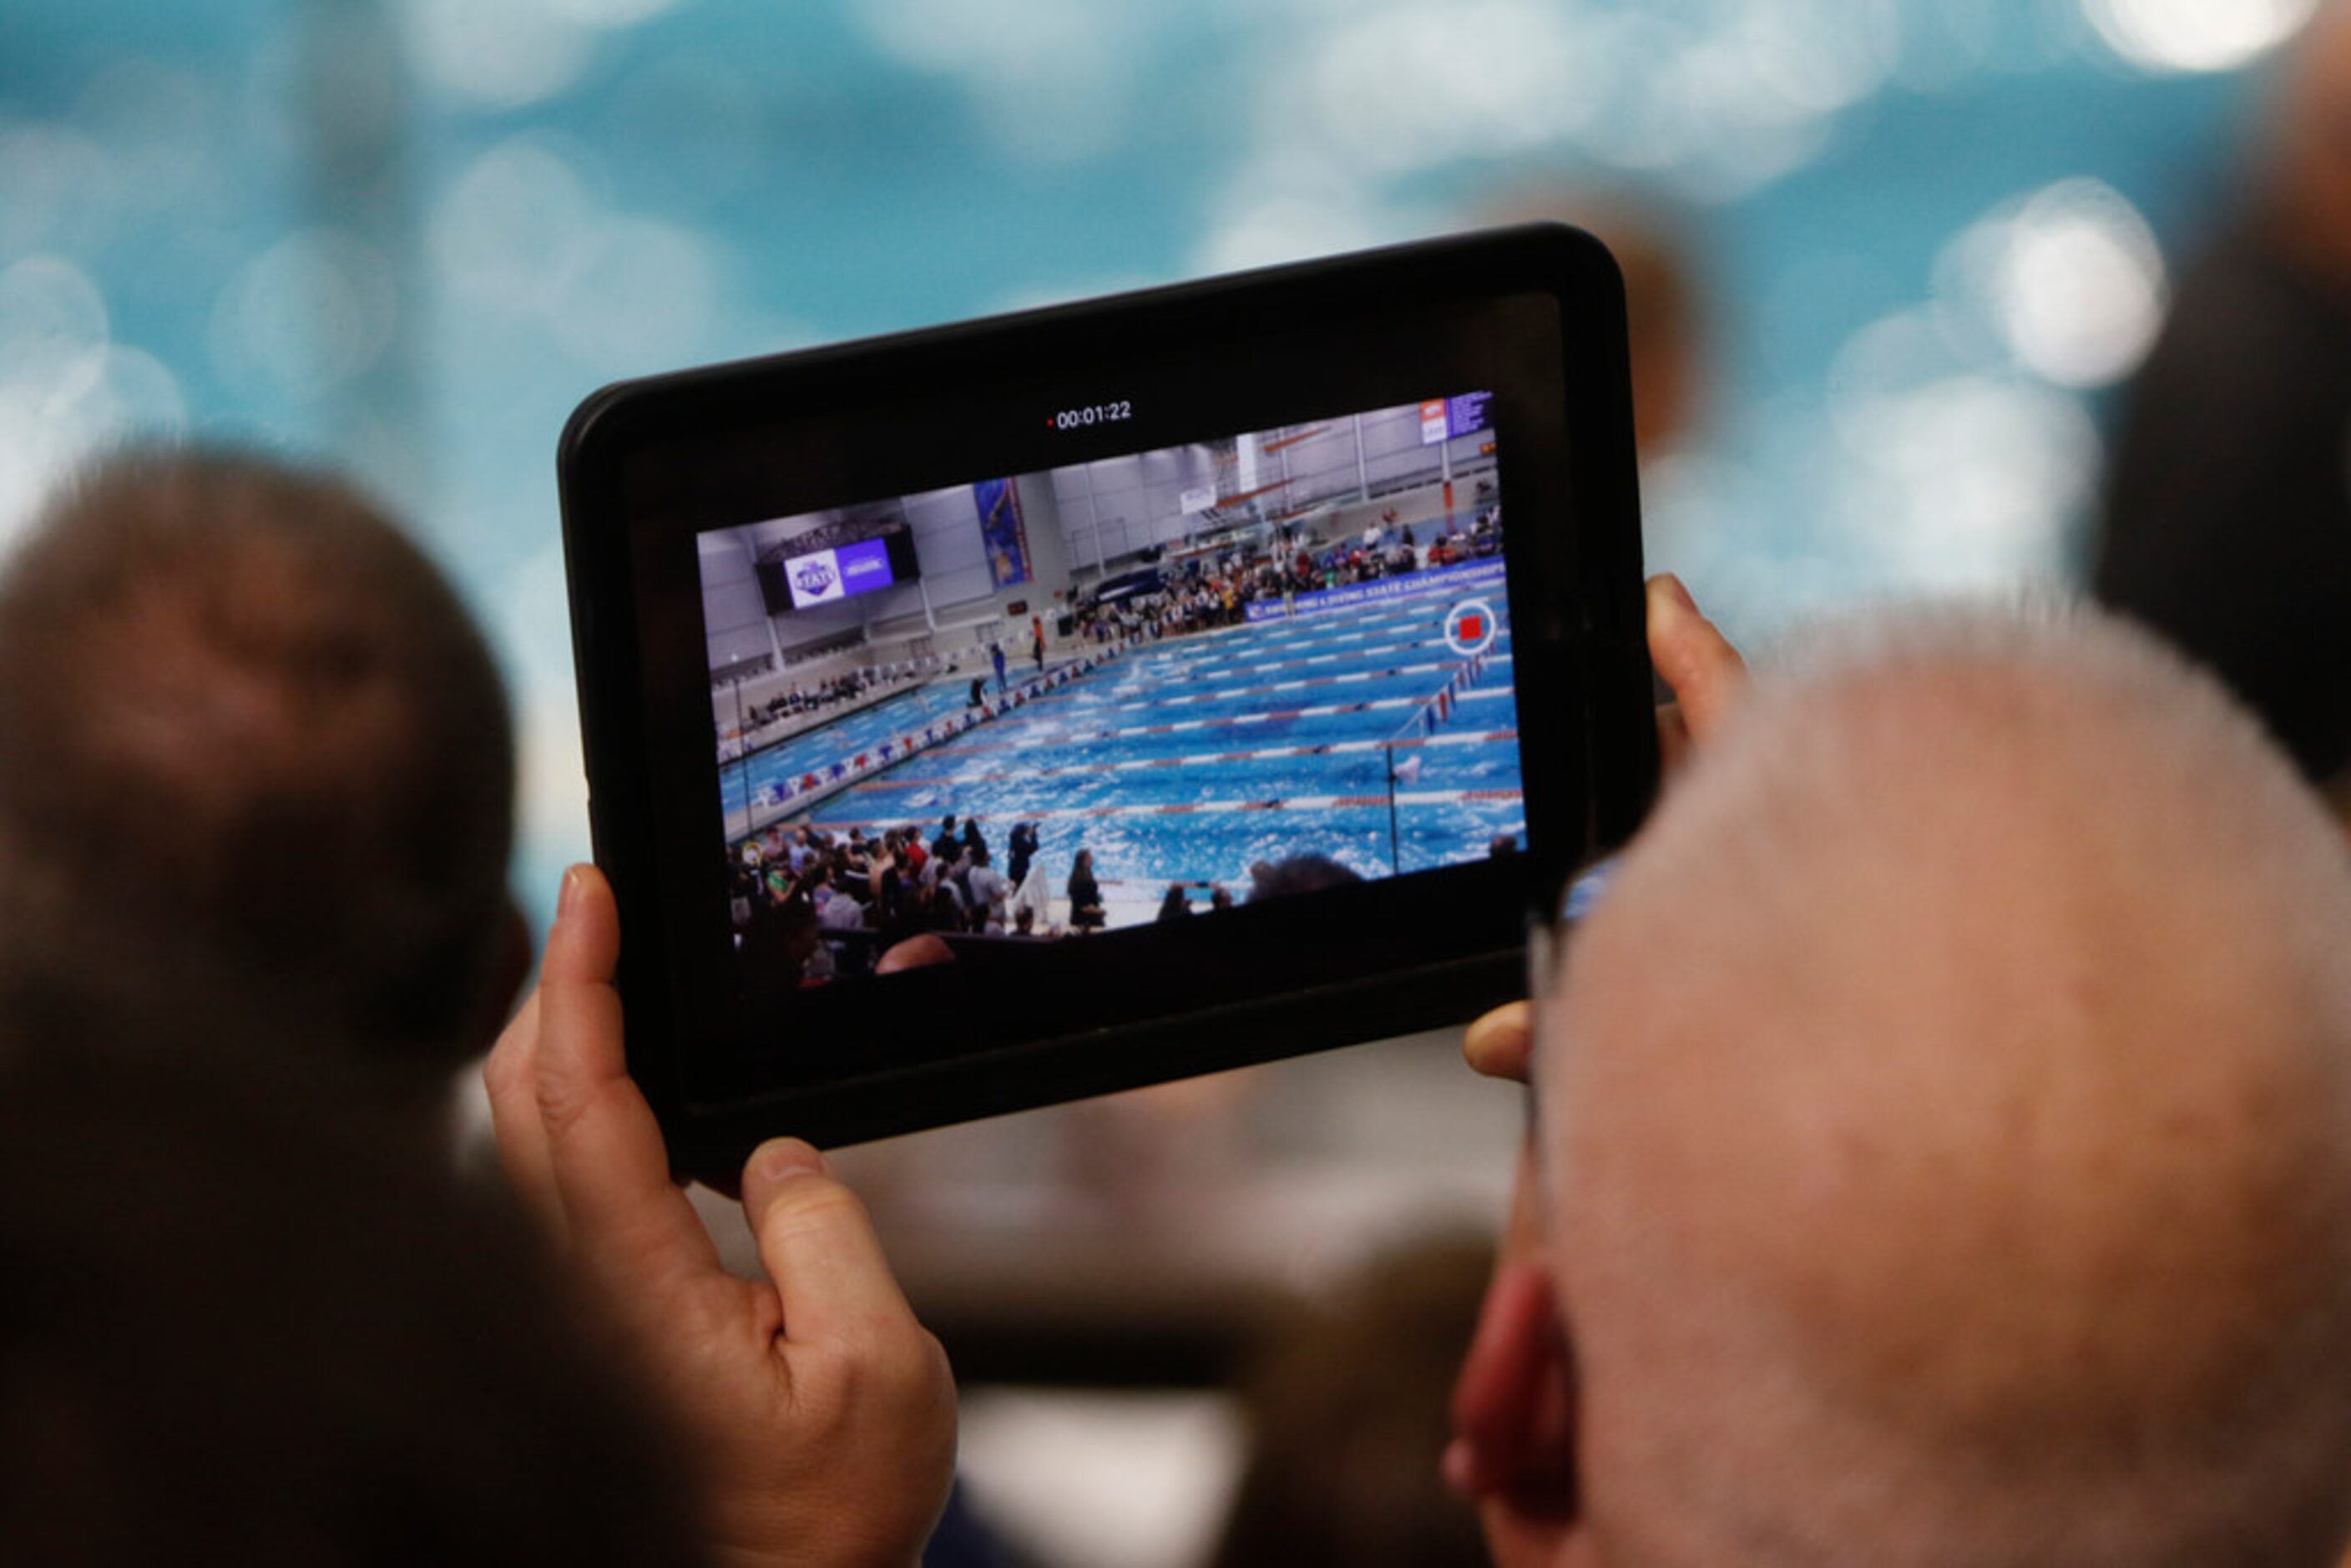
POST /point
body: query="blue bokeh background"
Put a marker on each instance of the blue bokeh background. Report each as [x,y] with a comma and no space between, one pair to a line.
[408,235]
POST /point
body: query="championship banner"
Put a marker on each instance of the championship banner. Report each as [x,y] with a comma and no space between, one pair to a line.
[1379,591]
[1002,532]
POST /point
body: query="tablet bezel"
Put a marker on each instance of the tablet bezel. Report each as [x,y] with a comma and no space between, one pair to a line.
[646,464]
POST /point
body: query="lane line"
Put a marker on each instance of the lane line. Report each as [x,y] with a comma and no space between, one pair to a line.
[1212,808]
[1280,715]
[1197,759]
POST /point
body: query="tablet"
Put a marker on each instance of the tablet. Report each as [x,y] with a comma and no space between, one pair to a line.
[1024,709]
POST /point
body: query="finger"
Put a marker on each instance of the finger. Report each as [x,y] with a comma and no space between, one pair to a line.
[819,1248]
[611,1171]
[510,1076]
[1501,1044]
[921,952]
[1695,661]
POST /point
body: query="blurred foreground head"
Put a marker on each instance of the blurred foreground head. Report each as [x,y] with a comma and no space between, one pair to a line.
[2228,520]
[1342,1463]
[248,731]
[245,1320]
[1665,313]
[1946,1128]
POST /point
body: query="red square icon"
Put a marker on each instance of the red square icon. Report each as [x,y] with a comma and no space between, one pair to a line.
[1472,628]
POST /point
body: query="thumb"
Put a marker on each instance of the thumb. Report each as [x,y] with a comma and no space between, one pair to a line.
[1500,1044]
[819,1248]
[1694,659]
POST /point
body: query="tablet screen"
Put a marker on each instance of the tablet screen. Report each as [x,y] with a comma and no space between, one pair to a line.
[1144,688]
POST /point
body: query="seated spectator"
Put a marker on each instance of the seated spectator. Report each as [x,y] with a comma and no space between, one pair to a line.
[1175,906]
[1969,1196]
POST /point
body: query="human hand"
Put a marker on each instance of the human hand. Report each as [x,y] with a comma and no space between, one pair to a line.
[1705,675]
[1697,664]
[826,1413]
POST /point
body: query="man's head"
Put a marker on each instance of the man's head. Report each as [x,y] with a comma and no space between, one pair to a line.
[247,729]
[1946,1129]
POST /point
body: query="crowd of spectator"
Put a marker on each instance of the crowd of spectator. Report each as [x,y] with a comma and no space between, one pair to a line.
[1207,591]
[739,728]
[811,904]
[793,702]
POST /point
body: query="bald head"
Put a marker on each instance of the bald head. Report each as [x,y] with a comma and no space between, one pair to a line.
[248,732]
[1947,1125]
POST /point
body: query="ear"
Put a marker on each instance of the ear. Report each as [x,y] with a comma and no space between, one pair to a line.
[1514,1420]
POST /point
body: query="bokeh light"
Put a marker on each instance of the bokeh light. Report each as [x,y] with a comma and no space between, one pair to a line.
[309,314]
[2195,35]
[1929,237]
[502,54]
[2080,289]
[67,389]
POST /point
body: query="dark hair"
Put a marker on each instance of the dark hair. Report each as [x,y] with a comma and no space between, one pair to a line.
[247,726]
[1175,906]
[354,1359]
[1299,873]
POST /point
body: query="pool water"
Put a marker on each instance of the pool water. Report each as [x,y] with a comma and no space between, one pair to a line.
[1188,760]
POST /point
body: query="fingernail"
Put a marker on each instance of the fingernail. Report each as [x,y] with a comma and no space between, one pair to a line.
[569,895]
[781,1159]
[1681,594]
